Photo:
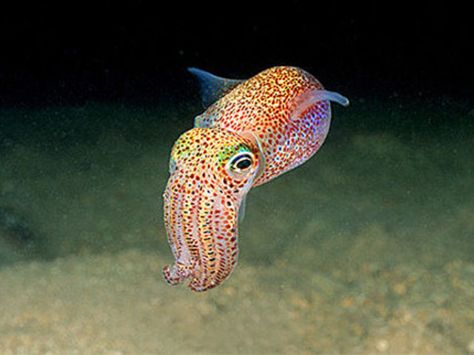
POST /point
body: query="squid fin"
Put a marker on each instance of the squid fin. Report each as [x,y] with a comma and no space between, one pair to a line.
[212,86]
[310,98]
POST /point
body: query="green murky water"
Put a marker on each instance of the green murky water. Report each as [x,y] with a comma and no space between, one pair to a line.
[368,247]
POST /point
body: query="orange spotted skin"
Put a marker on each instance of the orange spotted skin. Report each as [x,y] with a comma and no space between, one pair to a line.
[263,105]
[260,129]
[202,200]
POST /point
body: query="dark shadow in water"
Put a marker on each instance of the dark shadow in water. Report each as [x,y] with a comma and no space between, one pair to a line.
[19,240]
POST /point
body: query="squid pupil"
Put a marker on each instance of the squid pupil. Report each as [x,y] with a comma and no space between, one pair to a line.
[244,163]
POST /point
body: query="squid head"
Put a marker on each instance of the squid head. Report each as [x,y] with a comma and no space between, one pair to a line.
[211,171]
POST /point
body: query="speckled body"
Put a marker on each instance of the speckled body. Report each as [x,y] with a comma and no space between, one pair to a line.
[264,105]
[201,206]
[271,121]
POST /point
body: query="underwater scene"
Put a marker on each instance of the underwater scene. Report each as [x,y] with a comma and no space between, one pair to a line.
[261,179]
[365,248]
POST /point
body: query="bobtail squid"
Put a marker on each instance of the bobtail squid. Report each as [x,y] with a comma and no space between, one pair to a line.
[252,131]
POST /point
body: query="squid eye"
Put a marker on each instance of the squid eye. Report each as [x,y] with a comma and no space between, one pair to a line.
[241,162]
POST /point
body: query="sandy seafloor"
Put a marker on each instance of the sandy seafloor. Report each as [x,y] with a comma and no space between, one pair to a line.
[367,248]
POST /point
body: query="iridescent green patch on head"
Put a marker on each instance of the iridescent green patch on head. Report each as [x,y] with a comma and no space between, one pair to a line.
[228,152]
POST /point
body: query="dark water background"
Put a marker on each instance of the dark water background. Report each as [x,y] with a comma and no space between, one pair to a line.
[368,247]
